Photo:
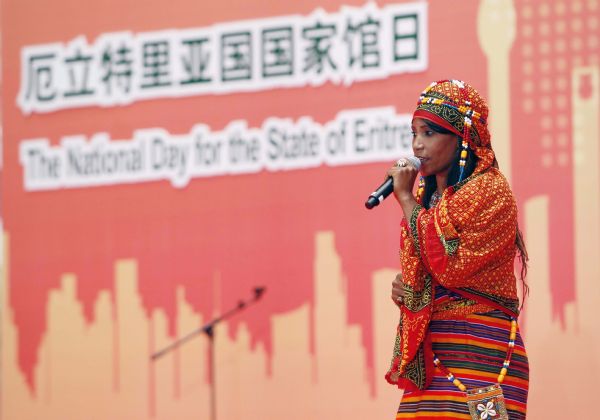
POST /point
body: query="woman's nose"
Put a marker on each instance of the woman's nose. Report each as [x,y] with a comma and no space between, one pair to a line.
[417,144]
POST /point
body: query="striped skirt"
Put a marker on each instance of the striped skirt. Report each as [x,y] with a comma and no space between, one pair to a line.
[473,349]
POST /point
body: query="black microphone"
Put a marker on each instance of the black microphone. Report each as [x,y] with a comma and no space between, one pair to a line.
[387,187]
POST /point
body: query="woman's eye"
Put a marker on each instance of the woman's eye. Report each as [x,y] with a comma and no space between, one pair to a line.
[429,133]
[413,133]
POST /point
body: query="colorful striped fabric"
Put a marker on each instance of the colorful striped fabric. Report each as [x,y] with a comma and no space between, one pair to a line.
[473,349]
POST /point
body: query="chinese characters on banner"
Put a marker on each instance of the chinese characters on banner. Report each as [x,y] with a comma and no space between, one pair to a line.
[354,44]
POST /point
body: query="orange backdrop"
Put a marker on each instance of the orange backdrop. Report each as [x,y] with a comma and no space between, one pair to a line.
[99,272]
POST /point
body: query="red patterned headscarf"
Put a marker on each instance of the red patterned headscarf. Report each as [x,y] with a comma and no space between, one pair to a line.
[458,107]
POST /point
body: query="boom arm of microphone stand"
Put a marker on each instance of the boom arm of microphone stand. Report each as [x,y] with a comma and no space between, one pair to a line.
[209,327]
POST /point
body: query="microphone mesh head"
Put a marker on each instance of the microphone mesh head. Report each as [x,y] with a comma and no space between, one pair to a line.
[414,161]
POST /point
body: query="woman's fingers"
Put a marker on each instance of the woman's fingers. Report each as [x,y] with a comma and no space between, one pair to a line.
[398,290]
[403,176]
[397,283]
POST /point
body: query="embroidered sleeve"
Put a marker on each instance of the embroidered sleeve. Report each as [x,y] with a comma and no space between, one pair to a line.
[470,232]
[410,259]
[412,366]
[413,225]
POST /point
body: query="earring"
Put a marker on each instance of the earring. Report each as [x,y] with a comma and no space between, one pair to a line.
[463,159]
[420,189]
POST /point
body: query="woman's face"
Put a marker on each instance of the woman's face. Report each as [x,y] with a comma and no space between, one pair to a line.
[436,151]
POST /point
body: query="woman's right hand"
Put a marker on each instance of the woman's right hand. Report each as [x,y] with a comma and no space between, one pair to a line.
[404,174]
[398,290]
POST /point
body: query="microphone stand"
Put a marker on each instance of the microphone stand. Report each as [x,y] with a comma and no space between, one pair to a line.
[208,329]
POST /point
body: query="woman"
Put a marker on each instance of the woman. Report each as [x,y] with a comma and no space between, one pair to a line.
[458,352]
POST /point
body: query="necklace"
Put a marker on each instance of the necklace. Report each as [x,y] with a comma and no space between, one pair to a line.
[435,199]
[485,402]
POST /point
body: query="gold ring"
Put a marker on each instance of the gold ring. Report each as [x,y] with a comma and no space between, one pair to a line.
[401,163]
